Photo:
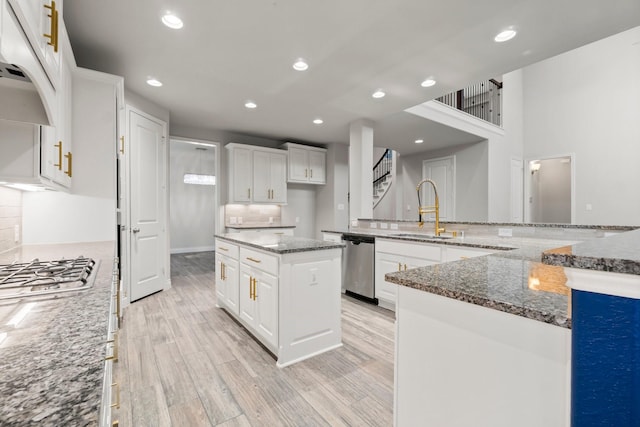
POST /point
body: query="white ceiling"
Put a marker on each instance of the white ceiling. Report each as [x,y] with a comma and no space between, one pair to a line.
[232,51]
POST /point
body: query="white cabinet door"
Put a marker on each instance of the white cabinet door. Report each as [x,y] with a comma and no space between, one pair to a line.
[246,303]
[332,237]
[386,263]
[298,165]
[232,288]
[221,281]
[456,254]
[55,143]
[42,21]
[269,177]
[278,177]
[261,176]
[317,167]
[241,175]
[266,298]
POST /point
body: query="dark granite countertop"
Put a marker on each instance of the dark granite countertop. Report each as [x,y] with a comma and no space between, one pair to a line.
[618,254]
[510,282]
[277,243]
[53,361]
[519,281]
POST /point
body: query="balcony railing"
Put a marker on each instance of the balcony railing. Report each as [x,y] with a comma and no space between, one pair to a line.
[482,100]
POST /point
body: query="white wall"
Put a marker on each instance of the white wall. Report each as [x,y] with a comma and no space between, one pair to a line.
[471,180]
[300,209]
[334,193]
[10,217]
[89,213]
[192,208]
[587,102]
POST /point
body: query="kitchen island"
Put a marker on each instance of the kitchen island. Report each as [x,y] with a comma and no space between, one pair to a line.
[53,361]
[487,341]
[284,290]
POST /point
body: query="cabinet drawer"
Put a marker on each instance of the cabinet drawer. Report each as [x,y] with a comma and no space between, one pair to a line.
[415,250]
[226,249]
[259,260]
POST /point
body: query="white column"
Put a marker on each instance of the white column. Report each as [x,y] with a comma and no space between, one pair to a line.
[360,169]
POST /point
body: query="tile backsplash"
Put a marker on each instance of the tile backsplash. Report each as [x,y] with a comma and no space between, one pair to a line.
[10,218]
[252,215]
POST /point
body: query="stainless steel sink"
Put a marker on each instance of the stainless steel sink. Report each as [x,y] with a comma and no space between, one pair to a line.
[421,236]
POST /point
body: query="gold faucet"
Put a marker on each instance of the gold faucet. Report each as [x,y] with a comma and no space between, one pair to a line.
[429,209]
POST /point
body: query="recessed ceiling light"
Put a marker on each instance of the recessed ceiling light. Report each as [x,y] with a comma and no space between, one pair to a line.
[300,65]
[151,81]
[378,94]
[250,104]
[419,141]
[505,35]
[428,83]
[318,121]
[172,21]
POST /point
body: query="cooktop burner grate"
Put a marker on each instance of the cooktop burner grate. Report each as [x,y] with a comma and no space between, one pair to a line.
[44,277]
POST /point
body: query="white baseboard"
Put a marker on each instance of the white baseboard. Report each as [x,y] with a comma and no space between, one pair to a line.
[195,249]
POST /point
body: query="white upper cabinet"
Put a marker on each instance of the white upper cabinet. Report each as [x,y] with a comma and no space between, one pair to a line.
[56,142]
[41,21]
[257,174]
[306,164]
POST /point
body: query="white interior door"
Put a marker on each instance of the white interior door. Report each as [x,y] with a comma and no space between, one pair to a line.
[147,169]
[442,172]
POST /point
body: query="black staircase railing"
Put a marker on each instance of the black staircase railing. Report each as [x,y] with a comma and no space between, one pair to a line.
[482,100]
[381,170]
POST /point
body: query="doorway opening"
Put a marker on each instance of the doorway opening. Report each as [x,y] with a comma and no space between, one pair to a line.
[551,190]
[442,172]
[193,195]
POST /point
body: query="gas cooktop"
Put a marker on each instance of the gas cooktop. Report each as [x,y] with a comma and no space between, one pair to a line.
[38,278]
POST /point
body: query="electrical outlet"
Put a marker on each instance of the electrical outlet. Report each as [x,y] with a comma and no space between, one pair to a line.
[394,226]
[373,225]
[270,220]
[239,220]
[340,207]
[384,225]
[233,220]
[297,219]
[589,207]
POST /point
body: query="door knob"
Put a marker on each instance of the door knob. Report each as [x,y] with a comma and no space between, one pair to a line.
[135,230]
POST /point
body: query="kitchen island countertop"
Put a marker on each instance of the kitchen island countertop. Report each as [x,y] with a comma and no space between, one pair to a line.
[53,361]
[278,243]
[525,275]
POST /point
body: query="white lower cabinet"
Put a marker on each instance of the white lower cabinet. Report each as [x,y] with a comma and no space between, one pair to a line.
[394,255]
[289,302]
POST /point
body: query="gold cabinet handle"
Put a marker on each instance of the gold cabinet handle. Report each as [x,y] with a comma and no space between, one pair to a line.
[114,356]
[224,271]
[223,249]
[405,267]
[122,145]
[221,271]
[399,267]
[254,260]
[69,158]
[53,36]
[59,147]
[255,288]
[117,404]
[250,287]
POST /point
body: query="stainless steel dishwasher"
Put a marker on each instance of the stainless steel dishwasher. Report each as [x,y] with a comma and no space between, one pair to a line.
[358,267]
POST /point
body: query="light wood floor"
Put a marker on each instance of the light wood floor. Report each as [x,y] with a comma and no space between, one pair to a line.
[184,362]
